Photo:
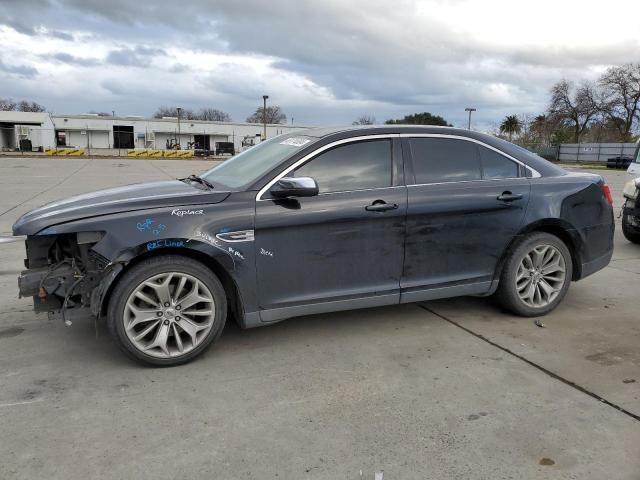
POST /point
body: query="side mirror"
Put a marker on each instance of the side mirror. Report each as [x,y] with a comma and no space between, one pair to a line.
[295,187]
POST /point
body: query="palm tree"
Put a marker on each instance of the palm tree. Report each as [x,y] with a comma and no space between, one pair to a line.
[511,125]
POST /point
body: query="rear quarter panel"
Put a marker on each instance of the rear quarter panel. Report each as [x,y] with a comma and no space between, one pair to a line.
[574,202]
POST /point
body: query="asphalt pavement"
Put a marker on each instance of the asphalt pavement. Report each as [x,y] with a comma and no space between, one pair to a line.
[445,389]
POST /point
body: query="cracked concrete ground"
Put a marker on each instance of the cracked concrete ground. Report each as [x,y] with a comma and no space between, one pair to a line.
[409,391]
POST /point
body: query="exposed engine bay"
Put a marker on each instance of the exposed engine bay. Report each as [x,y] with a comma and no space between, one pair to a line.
[62,271]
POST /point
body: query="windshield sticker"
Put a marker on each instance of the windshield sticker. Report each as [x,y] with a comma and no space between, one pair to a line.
[295,142]
[182,212]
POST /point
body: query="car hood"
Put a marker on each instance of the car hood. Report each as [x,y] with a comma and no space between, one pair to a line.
[141,196]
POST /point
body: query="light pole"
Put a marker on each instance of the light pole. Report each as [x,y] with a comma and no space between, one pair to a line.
[264,116]
[178,139]
[468,109]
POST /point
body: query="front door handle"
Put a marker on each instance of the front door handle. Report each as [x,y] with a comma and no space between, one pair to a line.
[380,206]
[509,197]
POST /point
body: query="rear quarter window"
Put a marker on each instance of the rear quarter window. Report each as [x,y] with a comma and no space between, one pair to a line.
[495,165]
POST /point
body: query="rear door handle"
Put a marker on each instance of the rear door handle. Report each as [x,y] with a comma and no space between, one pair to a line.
[509,197]
[380,206]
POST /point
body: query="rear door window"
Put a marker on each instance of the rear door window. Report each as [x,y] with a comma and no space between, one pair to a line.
[442,160]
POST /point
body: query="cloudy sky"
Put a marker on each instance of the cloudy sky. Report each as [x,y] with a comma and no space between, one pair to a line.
[324,62]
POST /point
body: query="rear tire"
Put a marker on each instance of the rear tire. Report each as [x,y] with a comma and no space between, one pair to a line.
[630,232]
[536,275]
[167,310]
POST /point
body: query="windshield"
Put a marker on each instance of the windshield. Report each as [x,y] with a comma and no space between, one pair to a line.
[248,166]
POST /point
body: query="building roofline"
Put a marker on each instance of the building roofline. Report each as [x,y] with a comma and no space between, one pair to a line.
[168,120]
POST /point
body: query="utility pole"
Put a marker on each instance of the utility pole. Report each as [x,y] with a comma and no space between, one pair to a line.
[264,116]
[178,139]
[468,109]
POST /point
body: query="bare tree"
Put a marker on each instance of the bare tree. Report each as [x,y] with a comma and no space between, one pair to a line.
[213,114]
[165,111]
[622,97]
[208,114]
[25,106]
[576,107]
[365,120]
[274,115]
[541,129]
[7,104]
[603,129]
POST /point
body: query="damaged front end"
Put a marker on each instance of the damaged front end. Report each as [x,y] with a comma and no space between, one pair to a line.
[63,271]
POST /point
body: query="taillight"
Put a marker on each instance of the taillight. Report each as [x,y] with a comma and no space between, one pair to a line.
[606,191]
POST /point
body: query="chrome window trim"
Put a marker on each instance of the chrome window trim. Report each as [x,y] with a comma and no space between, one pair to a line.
[338,192]
[317,152]
[534,172]
[469,181]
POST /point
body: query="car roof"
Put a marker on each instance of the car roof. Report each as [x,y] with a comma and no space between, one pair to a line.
[320,132]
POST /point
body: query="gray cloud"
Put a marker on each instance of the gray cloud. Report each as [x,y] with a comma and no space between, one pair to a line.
[69,59]
[62,35]
[386,58]
[139,56]
[19,70]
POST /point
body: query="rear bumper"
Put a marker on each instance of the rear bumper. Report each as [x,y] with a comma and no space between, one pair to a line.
[631,211]
[594,265]
[595,248]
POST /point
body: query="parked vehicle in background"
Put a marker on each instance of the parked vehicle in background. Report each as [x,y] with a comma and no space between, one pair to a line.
[318,221]
[621,161]
[225,148]
[634,167]
[631,211]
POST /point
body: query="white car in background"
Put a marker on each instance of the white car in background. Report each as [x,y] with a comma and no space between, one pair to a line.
[631,210]
[634,168]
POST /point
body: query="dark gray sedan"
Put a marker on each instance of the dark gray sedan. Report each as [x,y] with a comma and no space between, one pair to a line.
[318,221]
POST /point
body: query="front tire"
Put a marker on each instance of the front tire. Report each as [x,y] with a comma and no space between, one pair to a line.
[630,232]
[536,275]
[167,310]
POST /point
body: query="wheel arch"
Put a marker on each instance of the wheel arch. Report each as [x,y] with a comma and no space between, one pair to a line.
[234,299]
[554,226]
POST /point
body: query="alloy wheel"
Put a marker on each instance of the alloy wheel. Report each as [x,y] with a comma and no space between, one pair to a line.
[540,276]
[169,314]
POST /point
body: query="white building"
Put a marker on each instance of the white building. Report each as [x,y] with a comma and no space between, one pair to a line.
[104,134]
